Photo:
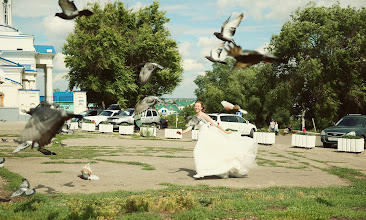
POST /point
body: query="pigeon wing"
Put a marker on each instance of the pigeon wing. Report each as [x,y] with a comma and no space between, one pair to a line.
[2,161]
[146,103]
[230,27]
[17,192]
[68,8]
[30,192]
[227,105]
[22,146]
[85,12]
[224,24]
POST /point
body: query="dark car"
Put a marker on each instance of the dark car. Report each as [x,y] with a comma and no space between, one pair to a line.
[163,123]
[348,125]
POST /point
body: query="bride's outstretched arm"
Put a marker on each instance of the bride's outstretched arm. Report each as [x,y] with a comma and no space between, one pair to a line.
[209,119]
[185,131]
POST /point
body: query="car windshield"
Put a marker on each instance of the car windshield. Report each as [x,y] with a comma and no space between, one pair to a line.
[107,113]
[124,113]
[84,112]
[352,121]
[213,117]
[129,111]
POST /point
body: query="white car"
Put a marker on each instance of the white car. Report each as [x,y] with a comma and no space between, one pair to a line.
[102,116]
[235,122]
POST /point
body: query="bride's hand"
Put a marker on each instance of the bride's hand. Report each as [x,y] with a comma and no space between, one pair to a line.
[228,132]
[179,132]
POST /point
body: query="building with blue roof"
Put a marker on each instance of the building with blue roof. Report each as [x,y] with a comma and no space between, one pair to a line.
[19,61]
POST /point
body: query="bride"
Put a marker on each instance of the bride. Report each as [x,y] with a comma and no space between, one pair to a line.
[218,152]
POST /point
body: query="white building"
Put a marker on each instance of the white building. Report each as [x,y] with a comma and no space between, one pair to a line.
[19,60]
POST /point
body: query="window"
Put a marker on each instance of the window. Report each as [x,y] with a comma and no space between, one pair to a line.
[148,114]
[213,117]
[241,120]
[154,113]
[229,118]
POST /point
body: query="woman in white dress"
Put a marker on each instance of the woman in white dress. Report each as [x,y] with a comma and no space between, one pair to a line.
[218,152]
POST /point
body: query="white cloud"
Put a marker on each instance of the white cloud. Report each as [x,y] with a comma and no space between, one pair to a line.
[59,64]
[57,30]
[262,49]
[207,44]
[59,77]
[191,64]
[185,48]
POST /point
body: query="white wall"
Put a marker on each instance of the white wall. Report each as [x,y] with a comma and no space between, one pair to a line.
[80,102]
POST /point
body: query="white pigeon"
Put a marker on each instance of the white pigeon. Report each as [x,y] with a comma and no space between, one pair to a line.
[228,28]
[2,161]
[23,189]
[22,146]
[232,108]
[86,173]
[69,10]
[147,71]
[216,54]
[146,103]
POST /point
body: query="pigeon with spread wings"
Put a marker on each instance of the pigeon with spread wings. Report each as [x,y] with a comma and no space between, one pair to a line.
[146,103]
[147,71]
[69,10]
[232,108]
[43,125]
[228,28]
[246,58]
[216,54]
[23,189]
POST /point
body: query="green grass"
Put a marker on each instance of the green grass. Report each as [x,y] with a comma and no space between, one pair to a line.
[202,202]
[52,171]
[145,166]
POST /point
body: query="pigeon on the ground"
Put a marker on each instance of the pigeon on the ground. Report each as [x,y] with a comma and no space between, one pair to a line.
[69,10]
[4,140]
[147,103]
[2,161]
[232,108]
[86,173]
[2,120]
[43,125]
[22,146]
[17,141]
[216,54]
[147,71]
[246,58]
[23,189]
[228,28]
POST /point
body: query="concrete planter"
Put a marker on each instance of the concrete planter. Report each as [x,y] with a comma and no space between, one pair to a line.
[74,126]
[306,141]
[195,135]
[350,145]
[172,133]
[126,129]
[88,126]
[148,131]
[264,137]
[106,128]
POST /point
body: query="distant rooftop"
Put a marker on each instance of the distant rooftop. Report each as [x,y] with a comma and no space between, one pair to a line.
[46,49]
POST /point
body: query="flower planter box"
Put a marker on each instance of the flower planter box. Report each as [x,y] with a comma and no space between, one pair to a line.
[88,126]
[306,141]
[264,137]
[172,133]
[195,135]
[350,145]
[148,131]
[106,128]
[74,126]
[126,129]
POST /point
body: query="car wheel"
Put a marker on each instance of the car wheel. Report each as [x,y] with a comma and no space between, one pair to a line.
[251,133]
[155,125]
[327,144]
[80,122]
[364,138]
[158,126]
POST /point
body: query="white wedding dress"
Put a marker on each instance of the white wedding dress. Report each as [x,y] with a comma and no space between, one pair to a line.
[221,154]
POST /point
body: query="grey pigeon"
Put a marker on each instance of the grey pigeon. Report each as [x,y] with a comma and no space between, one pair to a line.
[43,125]
[246,58]
[69,10]
[147,71]
[2,161]
[193,121]
[17,141]
[4,140]
[23,189]
[146,103]
[215,54]
[22,146]
[2,120]
[228,28]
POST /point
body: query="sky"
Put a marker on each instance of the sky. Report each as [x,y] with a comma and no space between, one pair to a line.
[192,24]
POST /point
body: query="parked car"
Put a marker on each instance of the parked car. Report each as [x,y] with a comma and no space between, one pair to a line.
[91,112]
[102,116]
[163,123]
[235,122]
[149,117]
[114,107]
[348,125]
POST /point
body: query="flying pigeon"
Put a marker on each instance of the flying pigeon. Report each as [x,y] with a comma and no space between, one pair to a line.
[147,103]
[2,161]
[215,54]
[43,125]
[86,173]
[147,71]
[246,58]
[22,146]
[193,121]
[4,140]
[23,188]
[69,10]
[228,28]
[232,108]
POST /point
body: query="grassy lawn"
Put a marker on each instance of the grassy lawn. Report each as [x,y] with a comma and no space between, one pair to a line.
[188,202]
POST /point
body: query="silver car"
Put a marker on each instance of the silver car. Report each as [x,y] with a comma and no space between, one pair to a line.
[149,117]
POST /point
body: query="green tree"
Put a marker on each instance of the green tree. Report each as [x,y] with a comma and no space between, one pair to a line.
[187,111]
[329,46]
[104,51]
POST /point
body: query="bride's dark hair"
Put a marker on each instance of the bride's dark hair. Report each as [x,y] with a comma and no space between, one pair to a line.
[203,106]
